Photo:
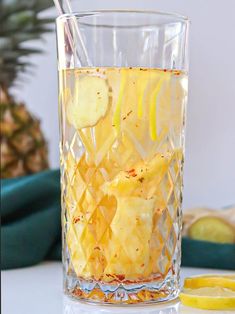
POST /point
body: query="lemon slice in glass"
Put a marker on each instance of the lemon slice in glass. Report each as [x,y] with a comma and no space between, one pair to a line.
[209,298]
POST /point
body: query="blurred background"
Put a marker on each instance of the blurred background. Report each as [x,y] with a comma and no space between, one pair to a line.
[210,138]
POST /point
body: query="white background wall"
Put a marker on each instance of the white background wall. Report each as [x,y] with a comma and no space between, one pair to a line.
[210,143]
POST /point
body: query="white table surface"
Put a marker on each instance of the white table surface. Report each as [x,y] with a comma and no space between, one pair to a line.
[38,290]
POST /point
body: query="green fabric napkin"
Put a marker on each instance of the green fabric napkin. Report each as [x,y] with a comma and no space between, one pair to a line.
[31,228]
[207,254]
[30,210]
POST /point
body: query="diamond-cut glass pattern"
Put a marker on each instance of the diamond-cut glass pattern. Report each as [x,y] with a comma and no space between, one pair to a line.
[102,240]
[121,198]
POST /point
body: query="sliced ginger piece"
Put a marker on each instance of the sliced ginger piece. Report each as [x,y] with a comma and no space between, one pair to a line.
[212,229]
[90,102]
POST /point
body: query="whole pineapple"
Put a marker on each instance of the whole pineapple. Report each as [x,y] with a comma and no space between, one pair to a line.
[23,146]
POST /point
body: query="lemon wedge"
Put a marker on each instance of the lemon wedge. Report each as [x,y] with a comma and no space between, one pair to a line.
[89,103]
[209,298]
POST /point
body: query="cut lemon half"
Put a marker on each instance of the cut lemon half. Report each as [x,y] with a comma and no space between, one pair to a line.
[212,298]
[89,103]
[224,281]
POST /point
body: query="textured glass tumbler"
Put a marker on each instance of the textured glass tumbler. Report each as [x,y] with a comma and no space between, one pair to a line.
[122,98]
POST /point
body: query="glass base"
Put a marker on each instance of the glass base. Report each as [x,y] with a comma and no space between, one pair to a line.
[100,293]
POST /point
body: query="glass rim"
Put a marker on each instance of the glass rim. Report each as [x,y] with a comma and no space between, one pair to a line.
[175,16]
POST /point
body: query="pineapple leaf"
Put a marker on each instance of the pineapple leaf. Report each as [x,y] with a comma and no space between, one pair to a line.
[19,23]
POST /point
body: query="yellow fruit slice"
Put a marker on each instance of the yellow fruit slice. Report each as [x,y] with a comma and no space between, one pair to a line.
[210,281]
[126,182]
[90,102]
[142,84]
[213,229]
[130,241]
[212,298]
[117,113]
[153,110]
[160,107]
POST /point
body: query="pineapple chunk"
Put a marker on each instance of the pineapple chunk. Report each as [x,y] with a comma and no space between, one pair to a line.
[134,180]
[90,102]
[129,252]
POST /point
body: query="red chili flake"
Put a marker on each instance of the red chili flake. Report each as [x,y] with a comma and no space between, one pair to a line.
[141,179]
[164,70]
[142,265]
[120,277]
[131,173]
[76,219]
[131,170]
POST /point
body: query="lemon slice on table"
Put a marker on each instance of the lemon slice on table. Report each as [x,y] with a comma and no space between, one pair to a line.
[89,103]
[224,281]
[209,298]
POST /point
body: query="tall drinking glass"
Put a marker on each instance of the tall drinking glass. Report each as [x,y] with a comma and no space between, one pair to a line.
[122,98]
